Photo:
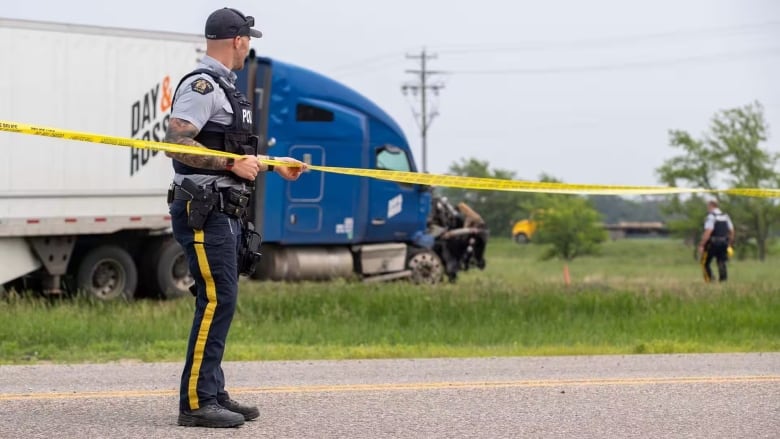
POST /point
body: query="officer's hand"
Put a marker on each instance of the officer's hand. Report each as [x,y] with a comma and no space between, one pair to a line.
[246,167]
[290,172]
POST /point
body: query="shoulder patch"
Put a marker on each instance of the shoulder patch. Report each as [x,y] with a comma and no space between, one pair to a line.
[202,86]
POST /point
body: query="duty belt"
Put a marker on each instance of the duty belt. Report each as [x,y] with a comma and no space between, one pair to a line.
[231,201]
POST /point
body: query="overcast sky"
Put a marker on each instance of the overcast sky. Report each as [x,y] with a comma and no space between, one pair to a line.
[583,90]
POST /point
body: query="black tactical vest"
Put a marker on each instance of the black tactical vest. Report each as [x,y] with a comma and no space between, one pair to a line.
[237,138]
[721,227]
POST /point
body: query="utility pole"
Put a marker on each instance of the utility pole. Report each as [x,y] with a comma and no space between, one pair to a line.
[421,87]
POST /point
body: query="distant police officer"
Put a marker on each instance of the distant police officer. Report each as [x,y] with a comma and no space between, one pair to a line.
[208,202]
[718,236]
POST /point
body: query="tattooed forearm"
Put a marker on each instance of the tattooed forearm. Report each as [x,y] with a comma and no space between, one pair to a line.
[182,132]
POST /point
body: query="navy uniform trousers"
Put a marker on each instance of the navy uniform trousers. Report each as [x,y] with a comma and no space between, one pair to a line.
[212,254]
[716,248]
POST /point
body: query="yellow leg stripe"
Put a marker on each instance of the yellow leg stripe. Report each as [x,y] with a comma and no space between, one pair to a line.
[704,266]
[205,324]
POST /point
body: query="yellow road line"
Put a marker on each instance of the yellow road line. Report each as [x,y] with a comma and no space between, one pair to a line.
[343,388]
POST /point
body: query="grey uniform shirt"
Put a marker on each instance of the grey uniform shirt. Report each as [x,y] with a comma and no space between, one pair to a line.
[717,215]
[198,108]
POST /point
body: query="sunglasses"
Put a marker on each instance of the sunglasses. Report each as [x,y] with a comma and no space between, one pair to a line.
[249,21]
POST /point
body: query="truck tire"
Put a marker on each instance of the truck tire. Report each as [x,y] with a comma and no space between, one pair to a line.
[426,266]
[521,239]
[165,272]
[107,273]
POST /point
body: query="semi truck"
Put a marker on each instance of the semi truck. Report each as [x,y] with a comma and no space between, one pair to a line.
[78,216]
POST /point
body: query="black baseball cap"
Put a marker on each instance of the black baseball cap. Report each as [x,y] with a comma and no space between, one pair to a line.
[230,23]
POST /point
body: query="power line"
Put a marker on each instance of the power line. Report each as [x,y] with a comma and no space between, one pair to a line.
[616,66]
[368,68]
[607,41]
[421,88]
[368,62]
[376,62]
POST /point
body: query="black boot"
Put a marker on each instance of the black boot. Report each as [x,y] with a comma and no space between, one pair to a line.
[249,412]
[212,415]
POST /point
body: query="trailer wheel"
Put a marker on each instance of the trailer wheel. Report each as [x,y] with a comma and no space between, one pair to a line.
[108,273]
[166,270]
[426,267]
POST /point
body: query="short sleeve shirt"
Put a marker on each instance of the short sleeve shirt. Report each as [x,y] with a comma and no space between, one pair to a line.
[716,215]
[200,99]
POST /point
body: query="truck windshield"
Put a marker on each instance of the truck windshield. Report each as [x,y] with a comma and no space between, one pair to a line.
[392,158]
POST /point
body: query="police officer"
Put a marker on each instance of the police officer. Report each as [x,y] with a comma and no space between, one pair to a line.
[718,236]
[207,203]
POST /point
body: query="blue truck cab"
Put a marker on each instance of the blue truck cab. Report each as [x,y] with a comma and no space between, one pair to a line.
[325,224]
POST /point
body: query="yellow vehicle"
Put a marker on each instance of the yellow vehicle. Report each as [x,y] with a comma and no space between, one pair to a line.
[523,230]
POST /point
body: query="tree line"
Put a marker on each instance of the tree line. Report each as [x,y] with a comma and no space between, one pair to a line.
[731,153]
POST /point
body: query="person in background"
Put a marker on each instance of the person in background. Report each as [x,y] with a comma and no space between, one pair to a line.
[716,240]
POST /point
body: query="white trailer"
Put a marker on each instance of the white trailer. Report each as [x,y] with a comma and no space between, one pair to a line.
[89,215]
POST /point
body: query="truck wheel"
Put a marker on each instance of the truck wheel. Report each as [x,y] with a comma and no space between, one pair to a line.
[108,273]
[426,267]
[521,238]
[167,274]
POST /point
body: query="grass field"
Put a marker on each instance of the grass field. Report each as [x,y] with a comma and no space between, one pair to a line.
[639,296]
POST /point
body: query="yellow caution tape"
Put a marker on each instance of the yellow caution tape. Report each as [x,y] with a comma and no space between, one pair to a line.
[752,192]
[463,182]
[440,180]
[14,127]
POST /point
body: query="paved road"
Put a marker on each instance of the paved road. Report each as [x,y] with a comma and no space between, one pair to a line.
[680,396]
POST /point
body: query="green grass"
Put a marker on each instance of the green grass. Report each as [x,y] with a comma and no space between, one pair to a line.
[637,297]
